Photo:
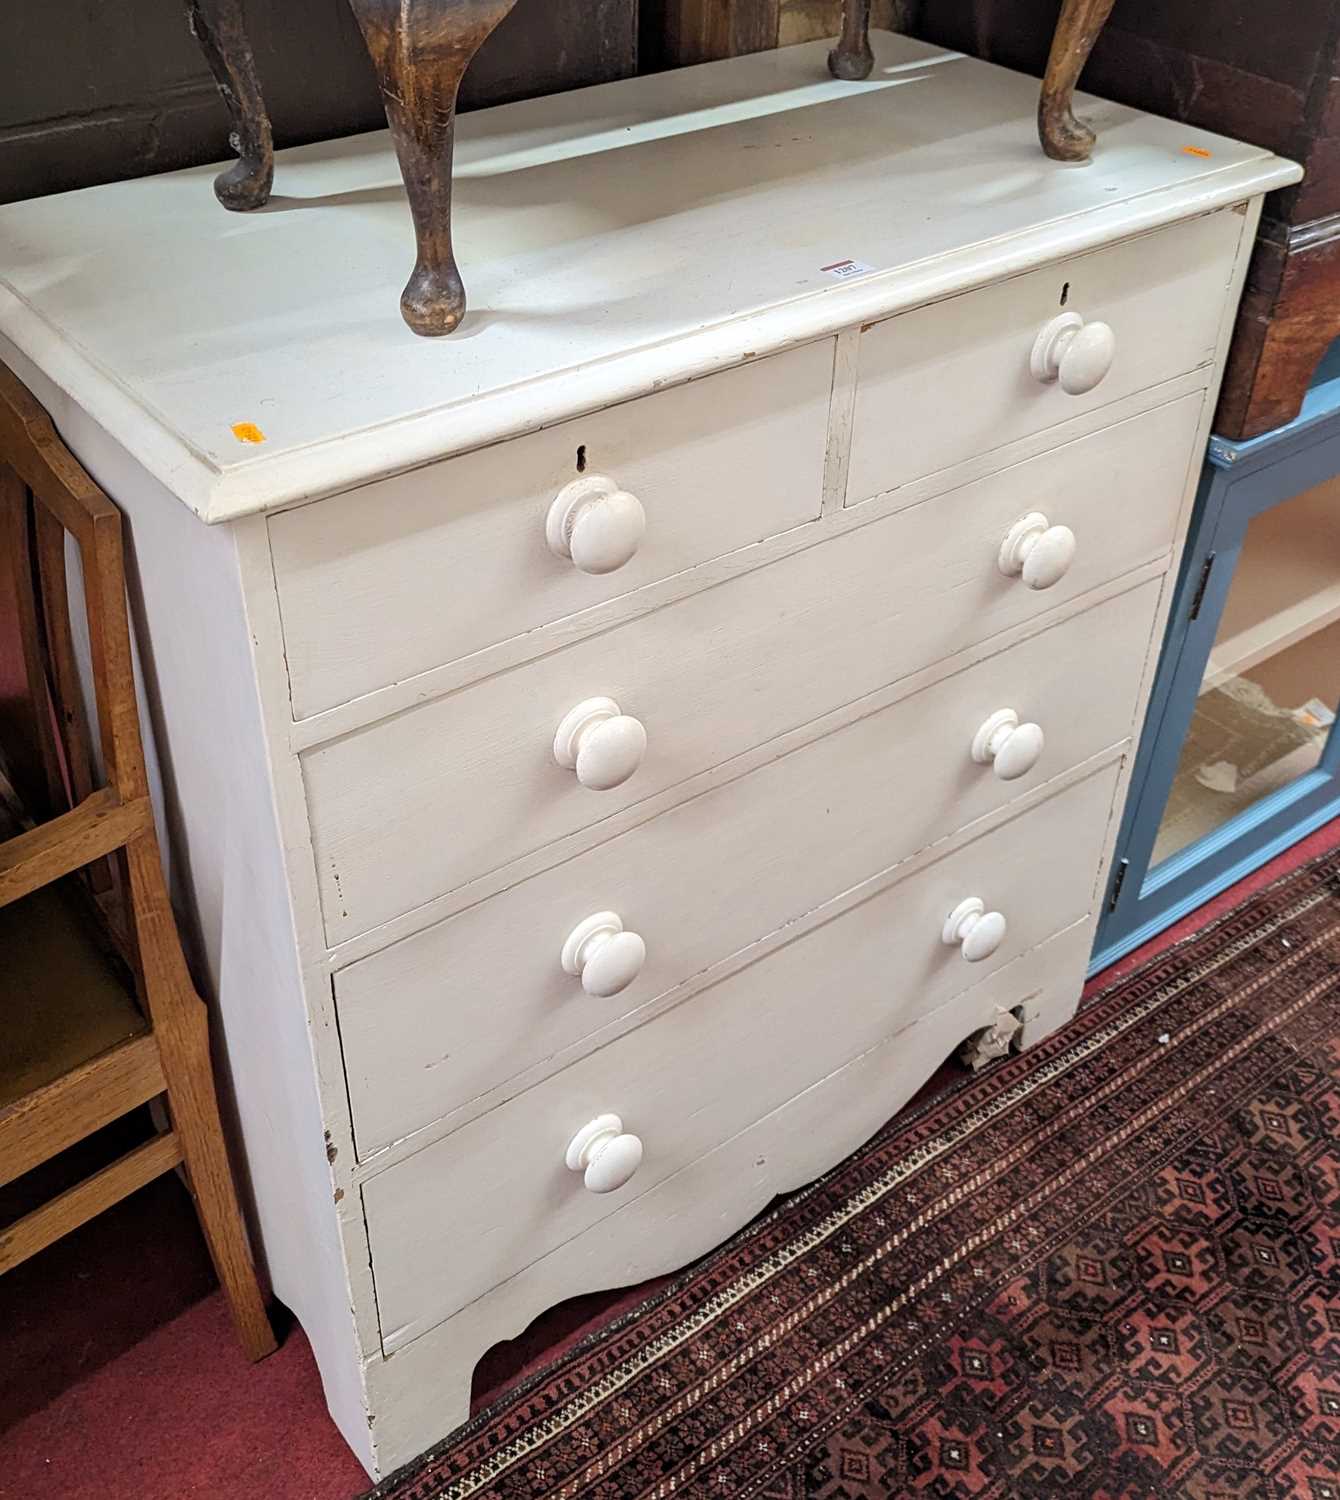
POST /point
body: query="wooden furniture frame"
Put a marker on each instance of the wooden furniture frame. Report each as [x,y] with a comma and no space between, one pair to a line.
[421,49]
[45,494]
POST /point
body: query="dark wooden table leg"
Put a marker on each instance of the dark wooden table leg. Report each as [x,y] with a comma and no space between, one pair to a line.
[1063,137]
[852,58]
[217,26]
[421,49]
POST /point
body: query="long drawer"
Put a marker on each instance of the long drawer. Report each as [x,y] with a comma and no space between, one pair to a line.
[443,1228]
[693,1211]
[445,1016]
[426,568]
[418,805]
[953,380]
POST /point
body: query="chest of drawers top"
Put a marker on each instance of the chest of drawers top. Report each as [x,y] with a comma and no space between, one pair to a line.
[619,240]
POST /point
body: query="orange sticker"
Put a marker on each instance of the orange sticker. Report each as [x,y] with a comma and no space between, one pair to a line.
[247,432]
[1197,151]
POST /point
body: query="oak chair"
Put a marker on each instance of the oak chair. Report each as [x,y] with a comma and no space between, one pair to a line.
[98,1014]
[421,49]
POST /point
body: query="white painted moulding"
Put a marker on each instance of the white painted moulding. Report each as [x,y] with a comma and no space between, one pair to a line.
[616,267]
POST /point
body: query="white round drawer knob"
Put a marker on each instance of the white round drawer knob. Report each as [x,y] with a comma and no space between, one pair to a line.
[1037,551]
[980,932]
[1012,749]
[604,1155]
[603,745]
[595,524]
[1074,354]
[605,957]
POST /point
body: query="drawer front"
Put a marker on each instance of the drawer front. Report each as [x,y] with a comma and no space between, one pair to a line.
[413,572]
[417,806]
[694,1211]
[448,1015]
[1162,295]
[466,1213]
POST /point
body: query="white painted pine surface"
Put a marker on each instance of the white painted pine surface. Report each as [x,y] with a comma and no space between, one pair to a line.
[434,1022]
[614,240]
[498,1192]
[385,582]
[954,378]
[418,805]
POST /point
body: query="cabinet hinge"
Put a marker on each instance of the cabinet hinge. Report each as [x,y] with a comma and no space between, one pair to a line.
[1201,586]
[1122,866]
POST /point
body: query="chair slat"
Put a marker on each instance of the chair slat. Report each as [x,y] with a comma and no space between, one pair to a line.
[99,825]
[36,1127]
[75,1206]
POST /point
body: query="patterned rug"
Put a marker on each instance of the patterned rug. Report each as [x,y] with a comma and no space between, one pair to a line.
[1107,1269]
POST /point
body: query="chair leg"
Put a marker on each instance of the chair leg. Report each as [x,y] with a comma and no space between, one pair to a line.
[181,1030]
[217,26]
[33,764]
[1063,137]
[421,49]
[852,58]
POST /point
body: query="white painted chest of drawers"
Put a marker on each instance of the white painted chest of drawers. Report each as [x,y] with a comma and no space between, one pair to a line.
[873,435]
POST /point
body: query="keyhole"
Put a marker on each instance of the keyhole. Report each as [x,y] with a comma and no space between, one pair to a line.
[581,459]
[1065,294]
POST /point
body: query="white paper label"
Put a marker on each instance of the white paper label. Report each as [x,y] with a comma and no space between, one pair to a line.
[845,270]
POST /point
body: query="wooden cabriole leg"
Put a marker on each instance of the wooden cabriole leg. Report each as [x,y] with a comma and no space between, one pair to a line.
[852,58]
[421,49]
[217,26]
[1063,137]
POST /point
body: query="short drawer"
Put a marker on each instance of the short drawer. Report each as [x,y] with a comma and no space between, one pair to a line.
[387,581]
[464,1214]
[953,380]
[460,1009]
[417,806]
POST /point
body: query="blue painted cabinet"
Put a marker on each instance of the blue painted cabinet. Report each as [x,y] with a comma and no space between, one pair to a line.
[1240,755]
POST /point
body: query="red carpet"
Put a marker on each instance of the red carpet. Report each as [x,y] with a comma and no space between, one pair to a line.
[119,1378]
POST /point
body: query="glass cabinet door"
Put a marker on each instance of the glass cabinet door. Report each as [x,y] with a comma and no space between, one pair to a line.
[1270,689]
[1240,752]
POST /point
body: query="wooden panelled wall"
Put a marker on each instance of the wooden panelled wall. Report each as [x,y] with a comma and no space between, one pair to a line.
[95,92]
[675,32]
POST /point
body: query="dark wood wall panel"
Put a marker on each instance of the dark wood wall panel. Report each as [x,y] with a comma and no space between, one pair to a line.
[693,31]
[1275,42]
[96,91]
[677,32]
